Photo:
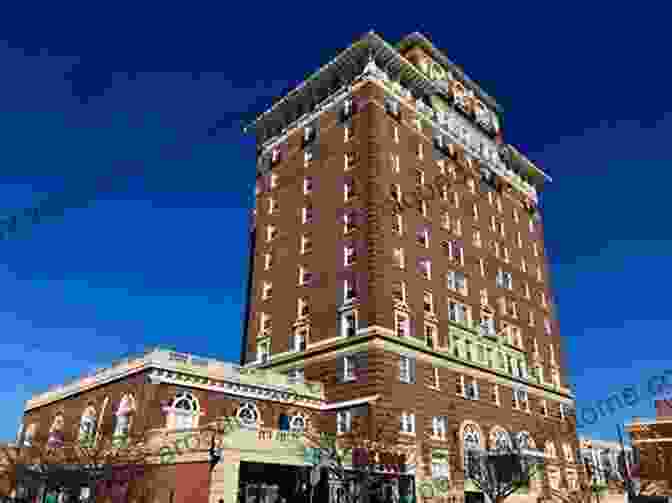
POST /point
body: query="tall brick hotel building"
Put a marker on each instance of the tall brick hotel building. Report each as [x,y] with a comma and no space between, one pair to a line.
[397,263]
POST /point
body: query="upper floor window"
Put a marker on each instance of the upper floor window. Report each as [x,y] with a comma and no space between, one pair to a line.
[349,291]
[306,244]
[422,238]
[349,324]
[406,369]
[430,336]
[185,409]
[271,232]
[348,191]
[274,178]
[407,423]
[298,340]
[343,421]
[398,257]
[349,161]
[56,438]
[516,216]
[428,302]
[477,239]
[307,214]
[519,239]
[348,223]
[399,292]
[29,435]
[398,224]
[402,325]
[268,261]
[392,107]
[263,351]
[458,312]
[307,185]
[425,267]
[303,308]
[396,134]
[267,290]
[307,158]
[87,425]
[547,326]
[349,255]
[440,427]
[456,281]
[248,414]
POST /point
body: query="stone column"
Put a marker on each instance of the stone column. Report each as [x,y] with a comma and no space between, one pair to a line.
[224,479]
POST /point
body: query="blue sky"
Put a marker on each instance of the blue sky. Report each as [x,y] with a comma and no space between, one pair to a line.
[160,255]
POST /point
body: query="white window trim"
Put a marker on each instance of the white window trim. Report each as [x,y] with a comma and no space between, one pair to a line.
[343,418]
[344,316]
[407,423]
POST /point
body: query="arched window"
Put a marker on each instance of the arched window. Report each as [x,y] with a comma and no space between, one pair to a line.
[297,424]
[87,426]
[525,441]
[56,432]
[499,440]
[186,411]
[123,418]
[248,414]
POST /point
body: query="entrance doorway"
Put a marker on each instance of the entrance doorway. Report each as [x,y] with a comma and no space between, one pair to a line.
[473,497]
[270,483]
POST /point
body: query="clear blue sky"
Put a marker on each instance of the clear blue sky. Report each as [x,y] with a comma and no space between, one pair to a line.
[161,258]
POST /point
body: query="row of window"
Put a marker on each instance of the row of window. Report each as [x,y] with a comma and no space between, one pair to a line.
[88,426]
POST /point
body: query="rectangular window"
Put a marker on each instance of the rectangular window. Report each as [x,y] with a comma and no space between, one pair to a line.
[499,204]
[458,313]
[268,261]
[523,265]
[471,390]
[349,367]
[302,308]
[304,276]
[347,134]
[535,249]
[501,229]
[495,395]
[272,206]
[349,291]
[307,158]
[497,247]
[396,134]
[419,177]
[439,429]
[307,214]
[299,339]
[474,211]
[263,351]
[349,255]
[430,336]
[477,239]
[271,232]
[426,269]
[266,323]
[395,192]
[519,238]
[484,297]
[398,224]
[422,238]
[516,217]
[306,244]
[493,222]
[343,421]
[349,161]
[445,220]
[396,165]
[487,325]
[267,290]
[348,191]
[307,185]
[274,179]
[482,266]
[402,325]
[530,320]
[531,225]
[348,223]
[471,184]
[539,277]
[507,257]
[421,153]
[429,302]
[547,326]
[543,299]
[508,281]
[349,324]
[399,292]
[422,206]
[405,369]
[392,108]
[408,423]
[436,378]
[398,256]
[456,199]
[526,290]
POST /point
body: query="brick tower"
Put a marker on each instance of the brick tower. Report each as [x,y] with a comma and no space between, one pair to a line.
[397,256]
